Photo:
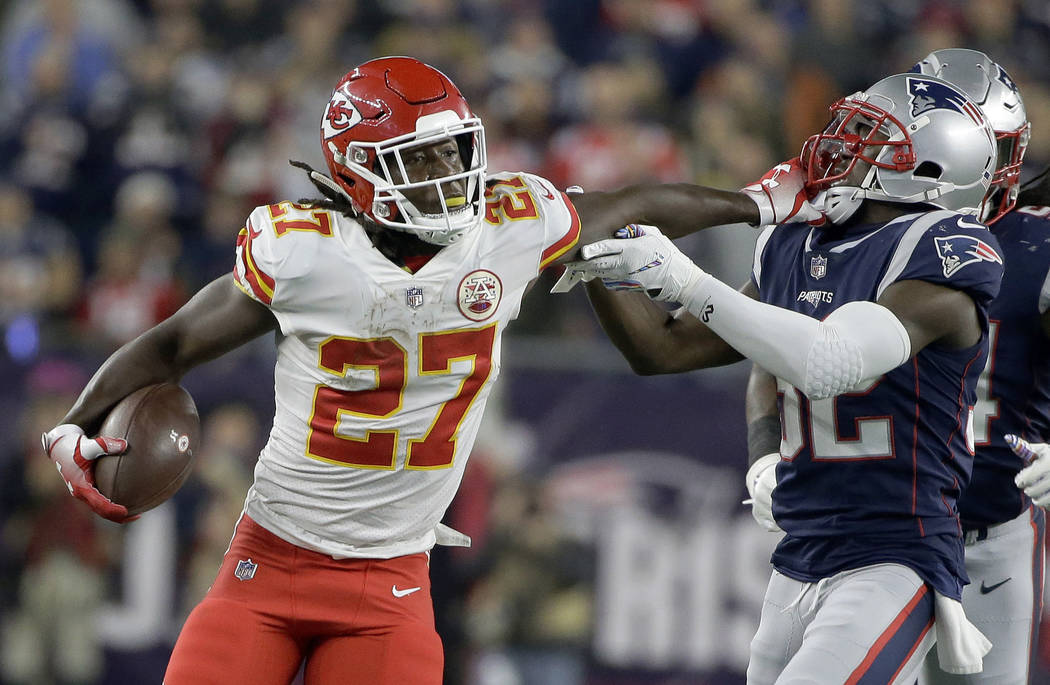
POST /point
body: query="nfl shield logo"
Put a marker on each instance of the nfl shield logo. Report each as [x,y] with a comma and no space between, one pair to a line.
[245,569]
[414,297]
[818,267]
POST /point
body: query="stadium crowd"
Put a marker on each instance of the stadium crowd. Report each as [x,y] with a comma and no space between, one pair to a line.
[138,134]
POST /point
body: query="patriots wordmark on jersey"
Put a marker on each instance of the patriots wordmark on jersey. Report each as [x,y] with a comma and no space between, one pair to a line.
[382,375]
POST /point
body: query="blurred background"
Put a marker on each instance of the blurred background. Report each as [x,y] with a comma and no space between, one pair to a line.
[610,547]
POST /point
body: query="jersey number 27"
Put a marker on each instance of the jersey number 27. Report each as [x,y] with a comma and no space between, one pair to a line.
[378,449]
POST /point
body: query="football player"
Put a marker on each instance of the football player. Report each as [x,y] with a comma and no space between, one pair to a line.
[875,326]
[1003,532]
[388,298]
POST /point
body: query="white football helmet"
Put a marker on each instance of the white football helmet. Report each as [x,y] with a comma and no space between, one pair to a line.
[988,84]
[921,139]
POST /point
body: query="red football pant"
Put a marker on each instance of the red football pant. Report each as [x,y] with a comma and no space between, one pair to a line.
[341,616]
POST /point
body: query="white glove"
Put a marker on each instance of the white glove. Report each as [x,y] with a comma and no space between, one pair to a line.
[74,454]
[761,479]
[781,196]
[1034,479]
[649,262]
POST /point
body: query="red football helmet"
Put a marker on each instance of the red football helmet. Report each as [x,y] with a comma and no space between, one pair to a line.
[383,108]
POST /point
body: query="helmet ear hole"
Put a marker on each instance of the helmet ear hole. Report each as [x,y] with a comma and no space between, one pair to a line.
[929,169]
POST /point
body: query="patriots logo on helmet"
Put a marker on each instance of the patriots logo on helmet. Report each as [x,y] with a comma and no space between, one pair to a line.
[927,95]
[956,251]
[1005,79]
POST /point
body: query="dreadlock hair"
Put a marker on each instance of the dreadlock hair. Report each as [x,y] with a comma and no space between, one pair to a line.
[1036,191]
[332,200]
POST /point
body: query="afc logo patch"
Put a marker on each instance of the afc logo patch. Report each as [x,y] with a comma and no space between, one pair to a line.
[245,569]
[818,267]
[479,294]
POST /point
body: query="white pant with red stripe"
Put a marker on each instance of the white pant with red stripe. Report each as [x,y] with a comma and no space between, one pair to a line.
[1003,599]
[865,626]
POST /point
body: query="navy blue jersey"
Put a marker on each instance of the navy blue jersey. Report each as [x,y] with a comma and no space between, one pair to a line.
[1013,394]
[874,476]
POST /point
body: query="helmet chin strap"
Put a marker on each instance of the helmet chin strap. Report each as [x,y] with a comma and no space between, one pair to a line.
[839,203]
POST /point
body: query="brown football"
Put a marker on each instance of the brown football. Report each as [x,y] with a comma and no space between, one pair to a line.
[161,426]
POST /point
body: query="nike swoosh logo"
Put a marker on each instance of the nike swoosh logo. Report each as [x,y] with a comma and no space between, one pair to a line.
[409,590]
[985,589]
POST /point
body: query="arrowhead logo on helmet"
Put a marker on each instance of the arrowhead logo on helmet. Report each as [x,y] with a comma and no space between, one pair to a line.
[391,107]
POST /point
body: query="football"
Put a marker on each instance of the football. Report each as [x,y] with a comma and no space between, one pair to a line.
[161,426]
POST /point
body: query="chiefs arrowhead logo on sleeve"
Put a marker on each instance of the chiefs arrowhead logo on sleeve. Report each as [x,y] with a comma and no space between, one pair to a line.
[956,251]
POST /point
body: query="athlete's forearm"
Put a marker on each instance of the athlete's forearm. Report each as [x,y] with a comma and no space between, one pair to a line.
[680,209]
[146,360]
[763,414]
[858,342]
[216,320]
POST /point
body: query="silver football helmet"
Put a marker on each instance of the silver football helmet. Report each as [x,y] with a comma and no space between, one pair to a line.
[921,140]
[988,84]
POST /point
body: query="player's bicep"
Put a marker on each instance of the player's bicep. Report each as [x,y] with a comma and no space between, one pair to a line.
[932,313]
[219,318]
[598,214]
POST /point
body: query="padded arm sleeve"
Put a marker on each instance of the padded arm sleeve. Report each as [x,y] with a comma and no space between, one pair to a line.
[855,344]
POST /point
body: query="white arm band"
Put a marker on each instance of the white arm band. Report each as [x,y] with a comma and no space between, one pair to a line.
[854,345]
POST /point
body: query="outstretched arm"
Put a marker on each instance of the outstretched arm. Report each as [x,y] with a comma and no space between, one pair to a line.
[679,209]
[855,344]
[216,320]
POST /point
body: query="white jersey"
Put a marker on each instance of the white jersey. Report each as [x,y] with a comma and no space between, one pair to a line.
[382,375]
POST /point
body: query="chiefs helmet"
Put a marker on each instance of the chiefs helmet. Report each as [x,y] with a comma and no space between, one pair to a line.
[924,142]
[383,108]
[988,84]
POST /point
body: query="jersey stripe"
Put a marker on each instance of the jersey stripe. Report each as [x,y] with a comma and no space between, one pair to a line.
[906,246]
[760,247]
[261,284]
[567,242]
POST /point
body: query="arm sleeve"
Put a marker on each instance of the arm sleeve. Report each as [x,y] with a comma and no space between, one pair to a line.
[855,344]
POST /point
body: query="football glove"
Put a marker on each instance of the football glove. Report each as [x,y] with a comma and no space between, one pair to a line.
[645,260]
[761,479]
[73,454]
[1034,479]
[781,196]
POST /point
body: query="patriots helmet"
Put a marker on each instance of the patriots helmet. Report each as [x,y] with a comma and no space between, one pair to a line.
[988,84]
[910,138]
[378,115]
